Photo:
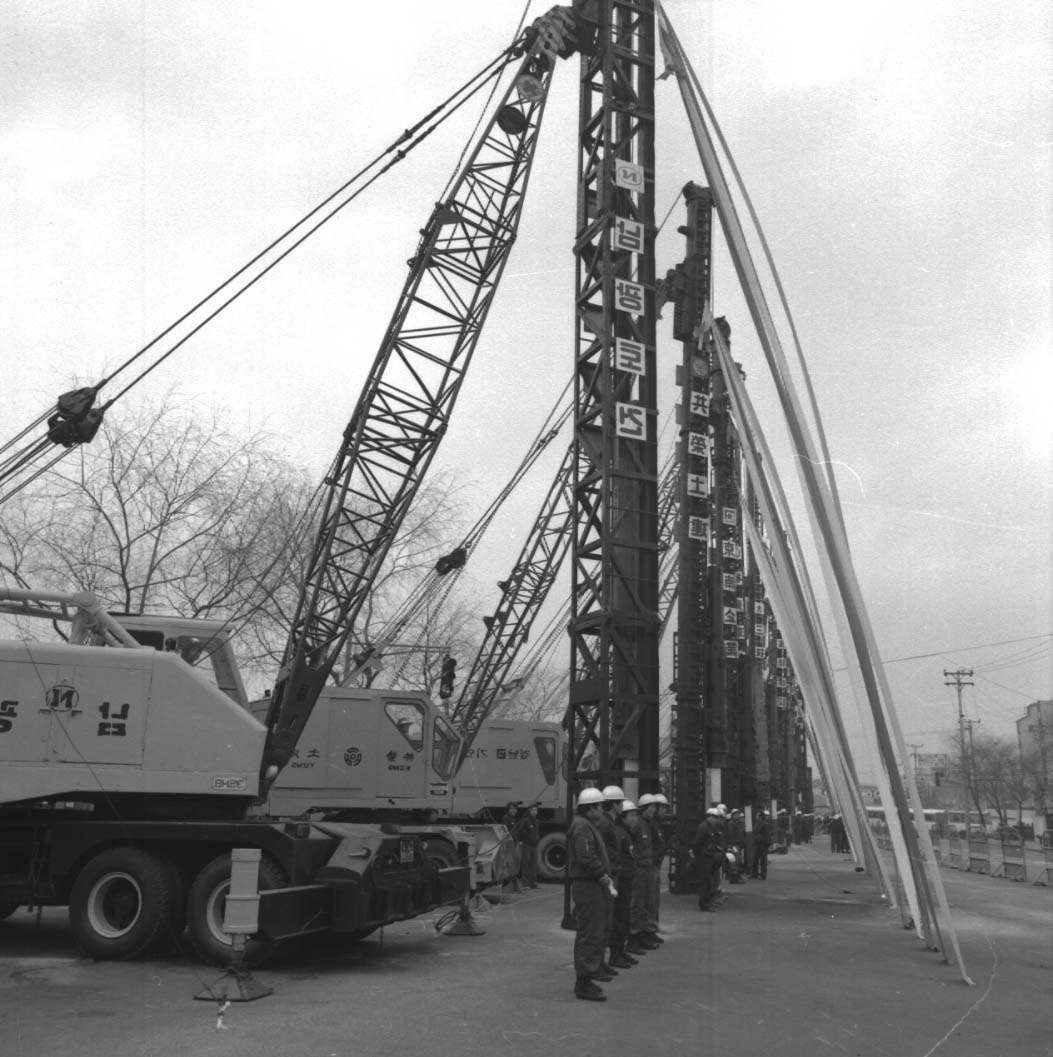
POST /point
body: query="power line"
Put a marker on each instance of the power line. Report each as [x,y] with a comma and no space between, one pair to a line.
[958,649]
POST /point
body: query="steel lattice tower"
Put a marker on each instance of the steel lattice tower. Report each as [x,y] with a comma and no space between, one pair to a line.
[614,627]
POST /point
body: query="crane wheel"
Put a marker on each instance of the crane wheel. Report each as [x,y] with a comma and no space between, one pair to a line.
[124,903]
[206,905]
[552,857]
[440,853]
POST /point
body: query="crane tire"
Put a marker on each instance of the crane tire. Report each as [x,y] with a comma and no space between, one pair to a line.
[205,908]
[552,857]
[124,903]
[440,853]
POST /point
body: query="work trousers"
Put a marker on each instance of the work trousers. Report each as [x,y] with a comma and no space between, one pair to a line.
[620,925]
[641,914]
[528,863]
[708,865]
[654,895]
[760,863]
[590,917]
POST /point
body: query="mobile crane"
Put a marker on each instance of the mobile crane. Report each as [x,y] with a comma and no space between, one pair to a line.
[127,777]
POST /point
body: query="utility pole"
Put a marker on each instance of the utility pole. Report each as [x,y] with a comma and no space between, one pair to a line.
[959,679]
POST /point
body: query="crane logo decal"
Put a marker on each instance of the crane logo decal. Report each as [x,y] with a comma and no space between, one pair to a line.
[62,697]
[353,757]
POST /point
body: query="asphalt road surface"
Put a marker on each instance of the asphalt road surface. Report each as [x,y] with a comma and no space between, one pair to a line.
[809,963]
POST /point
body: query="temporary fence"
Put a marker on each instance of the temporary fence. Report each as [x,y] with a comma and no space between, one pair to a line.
[1014,861]
[979,856]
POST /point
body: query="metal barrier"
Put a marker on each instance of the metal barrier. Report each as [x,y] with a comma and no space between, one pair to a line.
[979,856]
[954,853]
[1046,876]
[1014,862]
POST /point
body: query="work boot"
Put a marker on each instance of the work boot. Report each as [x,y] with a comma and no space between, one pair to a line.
[601,976]
[655,938]
[620,961]
[629,958]
[632,947]
[645,941]
[587,990]
[606,968]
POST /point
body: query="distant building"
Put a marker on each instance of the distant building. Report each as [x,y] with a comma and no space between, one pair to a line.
[1034,736]
[1034,733]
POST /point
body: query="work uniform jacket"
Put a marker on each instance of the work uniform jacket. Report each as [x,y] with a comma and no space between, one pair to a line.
[605,828]
[658,847]
[707,840]
[640,829]
[625,865]
[527,831]
[586,854]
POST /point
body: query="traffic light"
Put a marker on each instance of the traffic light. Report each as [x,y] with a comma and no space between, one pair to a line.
[446,678]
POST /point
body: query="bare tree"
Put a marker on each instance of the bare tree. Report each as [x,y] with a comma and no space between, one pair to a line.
[170,511]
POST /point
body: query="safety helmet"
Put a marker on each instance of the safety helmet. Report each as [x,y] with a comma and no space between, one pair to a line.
[627,806]
[713,811]
[659,798]
[589,796]
[730,856]
[722,808]
[613,792]
[645,801]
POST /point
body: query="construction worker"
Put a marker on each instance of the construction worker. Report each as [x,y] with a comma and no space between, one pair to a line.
[761,840]
[639,927]
[660,837]
[650,816]
[705,850]
[612,809]
[528,835]
[626,866]
[736,846]
[589,872]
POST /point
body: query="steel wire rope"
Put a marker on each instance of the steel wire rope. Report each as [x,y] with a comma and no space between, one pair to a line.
[805,373]
[413,137]
[436,587]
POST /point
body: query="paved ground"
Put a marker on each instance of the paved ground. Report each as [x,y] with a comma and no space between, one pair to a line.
[808,963]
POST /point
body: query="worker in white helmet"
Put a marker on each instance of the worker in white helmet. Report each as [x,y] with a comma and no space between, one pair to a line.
[625,870]
[706,854]
[589,872]
[657,814]
[640,941]
[613,795]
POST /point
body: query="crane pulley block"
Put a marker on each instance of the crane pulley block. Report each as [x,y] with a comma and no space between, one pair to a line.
[75,420]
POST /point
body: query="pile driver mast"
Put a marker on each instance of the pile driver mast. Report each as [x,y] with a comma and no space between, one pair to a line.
[612,718]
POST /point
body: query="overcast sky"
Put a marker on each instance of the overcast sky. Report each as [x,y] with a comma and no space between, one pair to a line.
[897,153]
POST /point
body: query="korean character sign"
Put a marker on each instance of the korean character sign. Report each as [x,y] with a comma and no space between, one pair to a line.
[629,175]
[629,297]
[629,355]
[630,421]
[627,235]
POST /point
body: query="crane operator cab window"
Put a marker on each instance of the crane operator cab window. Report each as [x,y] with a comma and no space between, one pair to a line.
[444,748]
[409,721]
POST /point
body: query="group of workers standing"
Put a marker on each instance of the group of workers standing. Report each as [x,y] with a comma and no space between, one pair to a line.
[615,849]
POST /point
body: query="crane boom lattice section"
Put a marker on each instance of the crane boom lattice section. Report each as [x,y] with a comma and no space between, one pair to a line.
[407,401]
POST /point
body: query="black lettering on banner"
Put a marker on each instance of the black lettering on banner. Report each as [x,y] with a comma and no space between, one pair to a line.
[8,715]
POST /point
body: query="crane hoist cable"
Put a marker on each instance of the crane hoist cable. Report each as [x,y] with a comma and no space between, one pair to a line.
[75,418]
